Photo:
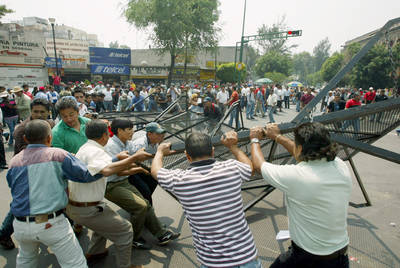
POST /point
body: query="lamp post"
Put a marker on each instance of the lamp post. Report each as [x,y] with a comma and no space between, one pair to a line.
[52,21]
[242,41]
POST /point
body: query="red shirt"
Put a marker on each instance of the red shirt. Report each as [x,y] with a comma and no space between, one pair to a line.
[352,103]
[306,98]
[235,97]
[27,93]
[57,80]
[370,96]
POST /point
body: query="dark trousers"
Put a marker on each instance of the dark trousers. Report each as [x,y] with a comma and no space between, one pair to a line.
[145,185]
[7,228]
[299,258]
[287,101]
[2,152]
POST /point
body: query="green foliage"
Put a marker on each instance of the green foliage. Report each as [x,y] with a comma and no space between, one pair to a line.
[331,66]
[321,53]
[4,11]
[227,72]
[276,77]
[176,24]
[373,69]
[114,44]
[271,44]
[303,65]
[314,79]
[274,62]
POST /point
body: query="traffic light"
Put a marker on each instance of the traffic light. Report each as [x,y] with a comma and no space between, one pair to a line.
[294,33]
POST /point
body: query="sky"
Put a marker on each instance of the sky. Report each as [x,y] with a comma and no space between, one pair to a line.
[339,20]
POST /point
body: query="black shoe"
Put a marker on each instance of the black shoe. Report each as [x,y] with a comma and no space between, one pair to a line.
[167,237]
[7,243]
[3,166]
[141,244]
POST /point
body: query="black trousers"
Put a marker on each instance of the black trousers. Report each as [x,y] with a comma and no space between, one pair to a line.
[2,152]
[145,185]
[299,258]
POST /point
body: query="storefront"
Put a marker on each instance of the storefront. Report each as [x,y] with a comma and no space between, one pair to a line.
[149,74]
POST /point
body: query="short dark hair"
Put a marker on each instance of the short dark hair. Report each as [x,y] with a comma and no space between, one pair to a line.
[198,145]
[24,86]
[95,129]
[37,131]
[65,103]
[120,123]
[78,90]
[315,141]
[42,102]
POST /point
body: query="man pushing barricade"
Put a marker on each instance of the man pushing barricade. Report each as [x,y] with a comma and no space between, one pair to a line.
[210,193]
[37,180]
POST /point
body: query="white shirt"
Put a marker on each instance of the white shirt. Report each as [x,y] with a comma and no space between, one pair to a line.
[174,93]
[82,109]
[107,95]
[286,92]
[96,158]
[222,97]
[272,99]
[279,93]
[317,195]
[245,91]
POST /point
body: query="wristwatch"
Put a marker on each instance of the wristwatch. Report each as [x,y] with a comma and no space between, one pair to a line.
[255,140]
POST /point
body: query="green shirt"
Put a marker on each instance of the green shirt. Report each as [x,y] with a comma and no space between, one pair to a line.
[69,138]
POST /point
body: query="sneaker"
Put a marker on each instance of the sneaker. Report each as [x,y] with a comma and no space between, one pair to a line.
[7,243]
[167,237]
[141,244]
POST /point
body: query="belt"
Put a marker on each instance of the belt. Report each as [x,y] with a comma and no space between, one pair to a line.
[83,204]
[334,255]
[40,218]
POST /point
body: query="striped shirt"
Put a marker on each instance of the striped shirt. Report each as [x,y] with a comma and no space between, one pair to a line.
[210,193]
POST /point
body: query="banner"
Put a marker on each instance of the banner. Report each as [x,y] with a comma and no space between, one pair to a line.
[20,53]
[109,55]
[109,69]
[14,76]
[50,62]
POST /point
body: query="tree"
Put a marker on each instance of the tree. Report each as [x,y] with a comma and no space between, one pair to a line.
[321,53]
[4,11]
[374,69]
[176,25]
[303,65]
[314,79]
[114,44]
[227,72]
[251,58]
[331,66]
[276,77]
[271,44]
[125,47]
[274,61]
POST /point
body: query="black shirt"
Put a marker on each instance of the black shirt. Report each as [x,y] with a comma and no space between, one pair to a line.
[213,112]
[381,98]
[334,106]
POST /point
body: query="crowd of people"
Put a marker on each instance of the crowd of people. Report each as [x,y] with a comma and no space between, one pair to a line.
[66,162]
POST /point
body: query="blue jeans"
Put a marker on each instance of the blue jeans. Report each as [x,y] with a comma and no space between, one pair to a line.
[297,105]
[7,226]
[152,106]
[250,109]
[271,113]
[11,123]
[355,123]
[233,117]
[108,105]
[251,264]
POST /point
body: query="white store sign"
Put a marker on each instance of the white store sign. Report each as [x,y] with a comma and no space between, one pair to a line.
[14,76]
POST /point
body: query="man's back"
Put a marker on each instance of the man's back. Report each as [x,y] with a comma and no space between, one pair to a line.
[210,193]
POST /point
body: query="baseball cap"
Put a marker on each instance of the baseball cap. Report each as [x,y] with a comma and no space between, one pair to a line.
[207,99]
[154,127]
